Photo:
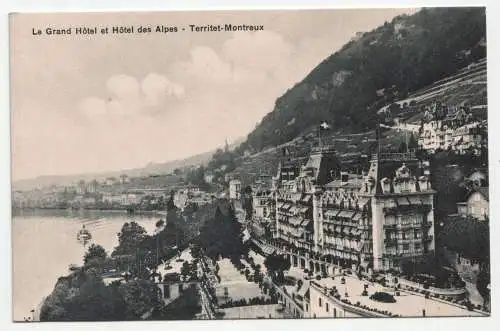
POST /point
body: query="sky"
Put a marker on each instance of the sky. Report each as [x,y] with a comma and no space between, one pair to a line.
[95,103]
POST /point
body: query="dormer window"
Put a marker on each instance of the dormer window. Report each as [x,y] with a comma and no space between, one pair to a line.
[403,172]
[423,182]
[386,185]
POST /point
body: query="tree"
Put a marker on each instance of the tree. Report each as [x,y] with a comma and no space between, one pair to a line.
[82,296]
[140,296]
[159,226]
[412,143]
[276,265]
[95,253]
[130,238]
[186,270]
[221,234]
[247,202]
[402,147]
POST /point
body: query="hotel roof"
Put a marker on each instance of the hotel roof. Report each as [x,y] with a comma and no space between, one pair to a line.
[407,304]
[354,181]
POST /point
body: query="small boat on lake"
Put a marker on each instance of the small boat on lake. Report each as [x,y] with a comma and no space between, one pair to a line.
[84,235]
[74,267]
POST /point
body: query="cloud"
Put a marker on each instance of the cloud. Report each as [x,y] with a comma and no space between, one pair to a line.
[123,86]
[203,68]
[265,50]
[128,96]
[190,107]
[157,88]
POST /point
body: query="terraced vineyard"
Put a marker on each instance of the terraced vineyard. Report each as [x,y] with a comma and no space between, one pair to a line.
[466,86]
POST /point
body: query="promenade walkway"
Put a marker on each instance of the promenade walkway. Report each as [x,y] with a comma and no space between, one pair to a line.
[237,285]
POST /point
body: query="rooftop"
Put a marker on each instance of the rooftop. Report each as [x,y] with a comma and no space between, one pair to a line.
[354,181]
[400,157]
[407,304]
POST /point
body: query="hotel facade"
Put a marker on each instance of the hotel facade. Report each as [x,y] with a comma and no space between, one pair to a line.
[374,221]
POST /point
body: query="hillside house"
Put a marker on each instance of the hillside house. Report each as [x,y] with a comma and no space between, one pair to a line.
[476,204]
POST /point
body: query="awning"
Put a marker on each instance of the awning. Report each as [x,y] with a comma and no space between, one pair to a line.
[305,223]
[293,210]
[286,206]
[268,250]
[307,198]
[294,221]
[303,289]
[298,232]
[356,232]
[279,205]
[331,212]
[403,202]
[415,201]
[346,230]
[304,209]
[356,217]
[346,214]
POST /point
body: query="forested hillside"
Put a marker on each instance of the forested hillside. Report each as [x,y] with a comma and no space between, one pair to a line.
[372,70]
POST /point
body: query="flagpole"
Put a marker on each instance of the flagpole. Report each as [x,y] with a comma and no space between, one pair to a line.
[319,137]
[378,137]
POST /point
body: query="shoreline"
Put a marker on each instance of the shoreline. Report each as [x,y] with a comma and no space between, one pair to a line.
[117,211]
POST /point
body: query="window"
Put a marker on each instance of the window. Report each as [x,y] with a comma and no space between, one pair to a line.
[166,291]
[406,247]
[326,307]
[320,303]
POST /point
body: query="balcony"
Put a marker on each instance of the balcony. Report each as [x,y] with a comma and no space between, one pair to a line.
[391,242]
[395,156]
[429,238]
[404,254]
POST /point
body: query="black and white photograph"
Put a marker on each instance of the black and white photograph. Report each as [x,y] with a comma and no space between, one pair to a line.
[249,164]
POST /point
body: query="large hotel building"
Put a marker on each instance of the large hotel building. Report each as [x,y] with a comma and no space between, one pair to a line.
[326,217]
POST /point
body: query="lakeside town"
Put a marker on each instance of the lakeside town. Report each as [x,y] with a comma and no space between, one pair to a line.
[316,239]
[315,235]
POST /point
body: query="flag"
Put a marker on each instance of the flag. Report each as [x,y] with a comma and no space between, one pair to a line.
[324,126]
[378,133]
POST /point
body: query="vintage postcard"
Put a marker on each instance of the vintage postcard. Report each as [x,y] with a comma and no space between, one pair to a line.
[271,164]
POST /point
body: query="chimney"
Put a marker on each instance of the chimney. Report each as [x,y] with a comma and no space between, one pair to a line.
[344,176]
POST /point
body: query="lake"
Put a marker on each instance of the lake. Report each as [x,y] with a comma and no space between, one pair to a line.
[44,244]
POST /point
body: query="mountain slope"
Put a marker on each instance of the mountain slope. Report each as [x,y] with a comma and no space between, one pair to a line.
[150,169]
[400,56]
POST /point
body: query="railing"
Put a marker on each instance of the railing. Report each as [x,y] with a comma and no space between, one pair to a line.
[415,253]
[289,300]
[395,156]
[391,242]
[323,149]
[347,306]
[454,292]
[429,238]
